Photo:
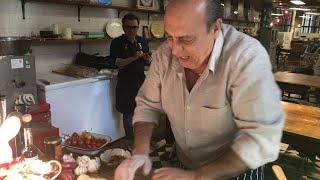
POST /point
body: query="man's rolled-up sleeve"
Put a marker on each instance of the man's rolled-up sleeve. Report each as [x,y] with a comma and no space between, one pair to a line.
[148,100]
[255,101]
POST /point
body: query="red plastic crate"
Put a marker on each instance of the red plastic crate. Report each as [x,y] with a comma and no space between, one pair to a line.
[43,107]
[42,117]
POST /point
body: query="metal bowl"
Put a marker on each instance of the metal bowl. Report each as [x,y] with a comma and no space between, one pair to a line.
[14,45]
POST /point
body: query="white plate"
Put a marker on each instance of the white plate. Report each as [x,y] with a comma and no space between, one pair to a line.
[146,3]
[88,152]
[114,28]
[157,29]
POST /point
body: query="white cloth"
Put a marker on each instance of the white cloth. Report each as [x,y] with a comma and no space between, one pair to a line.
[235,102]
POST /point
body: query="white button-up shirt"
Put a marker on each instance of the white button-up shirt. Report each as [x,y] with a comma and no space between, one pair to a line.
[234,104]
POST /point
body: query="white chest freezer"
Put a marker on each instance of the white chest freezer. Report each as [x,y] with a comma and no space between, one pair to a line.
[82,104]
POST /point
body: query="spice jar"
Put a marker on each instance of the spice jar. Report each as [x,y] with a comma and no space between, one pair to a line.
[53,147]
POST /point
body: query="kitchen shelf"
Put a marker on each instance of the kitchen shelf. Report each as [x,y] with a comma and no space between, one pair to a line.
[240,21]
[45,42]
[65,41]
[82,4]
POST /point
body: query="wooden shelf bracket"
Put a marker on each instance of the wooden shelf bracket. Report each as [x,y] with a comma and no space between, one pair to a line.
[23,3]
[79,12]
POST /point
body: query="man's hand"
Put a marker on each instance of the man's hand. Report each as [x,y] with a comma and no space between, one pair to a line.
[127,169]
[121,63]
[147,57]
[174,174]
[139,54]
[140,158]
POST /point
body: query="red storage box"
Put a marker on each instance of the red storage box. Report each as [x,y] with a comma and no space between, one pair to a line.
[42,113]
[43,107]
[42,117]
[41,131]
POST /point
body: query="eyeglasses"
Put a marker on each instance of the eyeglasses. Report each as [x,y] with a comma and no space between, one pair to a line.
[131,27]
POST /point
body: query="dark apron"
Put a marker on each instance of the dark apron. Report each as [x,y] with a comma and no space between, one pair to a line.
[127,89]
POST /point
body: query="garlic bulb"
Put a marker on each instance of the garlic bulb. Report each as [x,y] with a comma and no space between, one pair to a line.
[68,158]
[98,161]
[94,165]
[83,161]
[80,170]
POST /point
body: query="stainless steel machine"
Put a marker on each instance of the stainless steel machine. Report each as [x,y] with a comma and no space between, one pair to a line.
[17,75]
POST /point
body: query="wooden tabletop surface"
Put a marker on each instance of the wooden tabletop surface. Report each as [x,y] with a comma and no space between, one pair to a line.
[297,79]
[108,174]
[302,120]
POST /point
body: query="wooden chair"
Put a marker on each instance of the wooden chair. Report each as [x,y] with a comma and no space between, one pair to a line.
[302,91]
[295,56]
[278,172]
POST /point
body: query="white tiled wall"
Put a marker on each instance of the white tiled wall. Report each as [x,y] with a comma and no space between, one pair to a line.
[41,16]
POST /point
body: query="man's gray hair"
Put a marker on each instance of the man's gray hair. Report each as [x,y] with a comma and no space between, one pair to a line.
[214,12]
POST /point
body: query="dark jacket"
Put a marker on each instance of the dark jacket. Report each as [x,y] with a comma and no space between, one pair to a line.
[131,77]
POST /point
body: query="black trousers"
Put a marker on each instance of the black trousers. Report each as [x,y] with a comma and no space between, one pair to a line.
[127,124]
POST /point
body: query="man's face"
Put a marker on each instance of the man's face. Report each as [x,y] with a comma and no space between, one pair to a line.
[130,28]
[188,37]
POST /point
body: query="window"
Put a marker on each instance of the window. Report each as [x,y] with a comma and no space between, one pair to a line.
[310,23]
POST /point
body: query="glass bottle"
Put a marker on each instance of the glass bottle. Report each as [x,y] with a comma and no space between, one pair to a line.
[29,151]
[53,149]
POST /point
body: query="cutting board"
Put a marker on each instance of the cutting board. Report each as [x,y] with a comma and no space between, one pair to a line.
[76,71]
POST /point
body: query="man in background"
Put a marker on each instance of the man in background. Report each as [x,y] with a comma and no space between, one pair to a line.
[130,53]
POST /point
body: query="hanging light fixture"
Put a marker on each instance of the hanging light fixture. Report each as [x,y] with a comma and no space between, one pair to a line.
[300,9]
[298,2]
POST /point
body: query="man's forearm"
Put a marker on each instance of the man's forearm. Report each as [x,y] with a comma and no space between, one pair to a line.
[142,137]
[227,166]
[126,61]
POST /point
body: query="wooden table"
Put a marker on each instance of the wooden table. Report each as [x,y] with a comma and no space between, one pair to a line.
[108,173]
[297,79]
[302,126]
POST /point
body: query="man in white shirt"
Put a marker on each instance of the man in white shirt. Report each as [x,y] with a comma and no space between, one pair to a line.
[216,86]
